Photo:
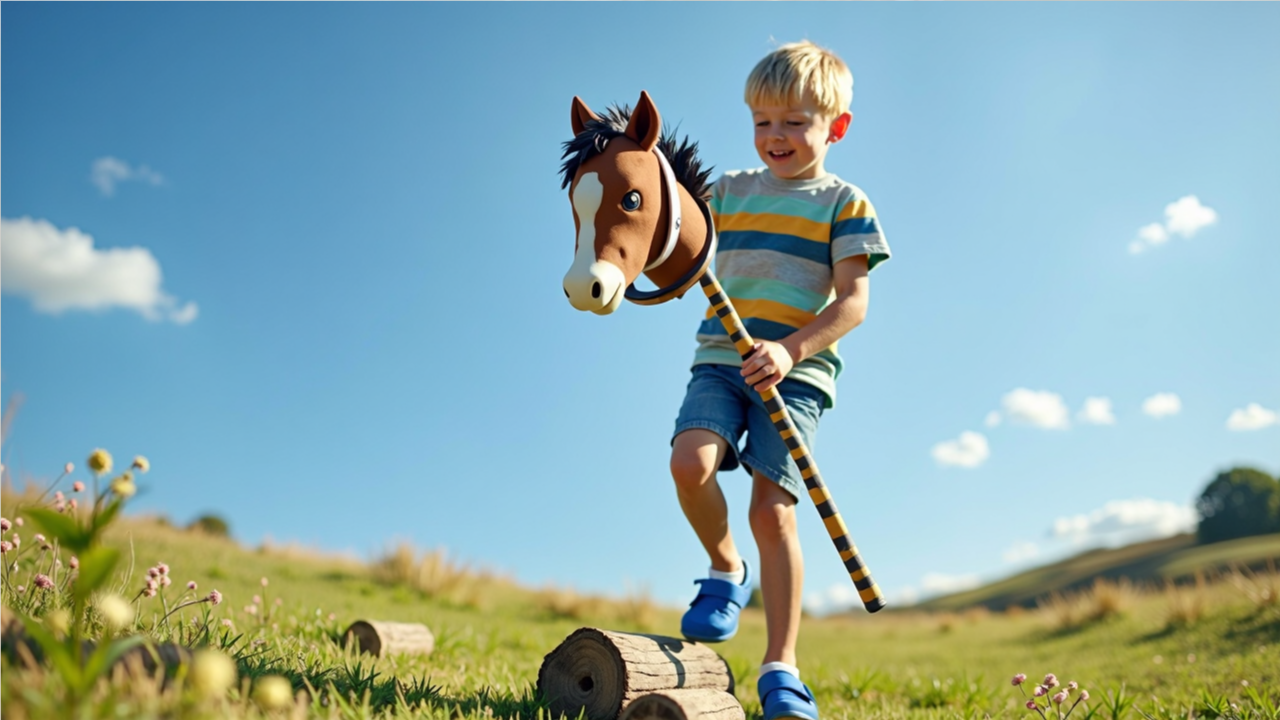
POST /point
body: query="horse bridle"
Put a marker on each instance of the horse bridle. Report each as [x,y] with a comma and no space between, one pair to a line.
[653,297]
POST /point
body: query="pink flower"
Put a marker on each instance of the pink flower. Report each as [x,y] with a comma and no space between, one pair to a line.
[1041,691]
[251,609]
[39,538]
[59,496]
[43,582]
[74,563]
[215,597]
[19,522]
[77,486]
[1084,695]
[226,622]
[164,569]
[191,585]
[59,506]
[165,581]
[1072,685]
[151,585]
[1051,680]
[5,525]
[17,541]
[149,591]
[1019,678]
[257,599]
[5,547]
[68,468]
[71,503]
[264,582]
[1059,697]
[153,572]
[1031,705]
[21,589]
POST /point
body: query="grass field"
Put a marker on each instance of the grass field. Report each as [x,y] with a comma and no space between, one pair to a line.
[1175,652]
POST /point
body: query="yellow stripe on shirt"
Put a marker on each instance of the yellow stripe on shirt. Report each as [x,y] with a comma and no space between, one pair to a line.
[773,223]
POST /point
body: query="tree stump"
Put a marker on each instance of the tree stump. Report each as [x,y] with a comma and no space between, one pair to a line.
[684,705]
[602,672]
[388,638]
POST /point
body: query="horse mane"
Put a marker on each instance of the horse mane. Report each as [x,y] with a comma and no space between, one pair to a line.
[683,157]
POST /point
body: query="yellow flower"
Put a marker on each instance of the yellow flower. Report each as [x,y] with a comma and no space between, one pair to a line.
[273,692]
[123,486]
[141,464]
[212,672]
[116,611]
[100,461]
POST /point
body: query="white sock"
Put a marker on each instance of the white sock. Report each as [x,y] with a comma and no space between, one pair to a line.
[736,577]
[770,667]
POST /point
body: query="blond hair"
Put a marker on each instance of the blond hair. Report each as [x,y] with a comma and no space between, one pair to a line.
[799,71]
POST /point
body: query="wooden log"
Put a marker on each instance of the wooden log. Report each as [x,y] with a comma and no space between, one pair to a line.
[601,672]
[380,638]
[684,705]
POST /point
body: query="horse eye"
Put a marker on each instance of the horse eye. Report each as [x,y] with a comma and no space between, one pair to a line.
[631,201]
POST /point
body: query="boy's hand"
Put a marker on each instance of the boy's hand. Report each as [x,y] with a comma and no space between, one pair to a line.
[766,366]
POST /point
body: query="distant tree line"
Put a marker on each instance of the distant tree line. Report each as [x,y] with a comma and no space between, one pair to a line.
[1239,503]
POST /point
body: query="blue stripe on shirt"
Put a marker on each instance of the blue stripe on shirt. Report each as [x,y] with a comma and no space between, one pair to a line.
[789,244]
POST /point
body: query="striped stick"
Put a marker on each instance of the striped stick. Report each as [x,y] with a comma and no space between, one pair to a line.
[868,591]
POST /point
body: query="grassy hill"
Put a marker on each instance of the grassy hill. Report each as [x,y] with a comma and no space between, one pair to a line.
[1157,562]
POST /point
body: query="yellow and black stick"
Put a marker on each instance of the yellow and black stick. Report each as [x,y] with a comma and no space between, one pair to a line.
[868,591]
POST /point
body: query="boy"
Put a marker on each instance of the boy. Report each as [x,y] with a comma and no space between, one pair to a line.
[796,246]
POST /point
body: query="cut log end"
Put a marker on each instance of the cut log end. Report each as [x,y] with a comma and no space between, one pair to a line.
[380,638]
[684,705]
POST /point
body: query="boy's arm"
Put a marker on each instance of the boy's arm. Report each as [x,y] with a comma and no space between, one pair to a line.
[770,362]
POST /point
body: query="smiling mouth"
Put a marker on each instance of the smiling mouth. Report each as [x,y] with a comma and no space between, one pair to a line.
[781,155]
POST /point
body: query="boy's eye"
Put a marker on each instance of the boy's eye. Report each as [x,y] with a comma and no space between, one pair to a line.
[631,201]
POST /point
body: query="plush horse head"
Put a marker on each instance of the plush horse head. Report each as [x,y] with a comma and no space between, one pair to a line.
[639,207]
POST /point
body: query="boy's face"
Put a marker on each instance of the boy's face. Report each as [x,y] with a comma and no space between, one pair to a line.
[792,140]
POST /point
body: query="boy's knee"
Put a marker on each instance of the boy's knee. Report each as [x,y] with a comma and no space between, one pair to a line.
[692,470]
[773,521]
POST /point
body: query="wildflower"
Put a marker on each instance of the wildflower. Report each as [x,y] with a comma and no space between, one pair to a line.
[59,496]
[149,591]
[100,461]
[17,541]
[71,503]
[21,589]
[68,468]
[251,609]
[5,525]
[215,597]
[273,692]
[39,538]
[151,583]
[264,582]
[77,486]
[1041,691]
[141,464]
[212,672]
[1072,685]
[43,582]
[226,622]
[164,569]
[1059,697]
[1051,681]
[1031,705]
[19,522]
[59,506]
[123,486]
[153,572]
[1084,695]
[1019,678]
[5,547]
[191,585]
[74,563]
[257,599]
[165,581]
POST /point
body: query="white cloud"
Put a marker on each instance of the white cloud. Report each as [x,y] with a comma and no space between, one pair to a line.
[993,419]
[1252,417]
[107,172]
[1127,521]
[60,270]
[837,598]
[940,584]
[1186,216]
[1161,404]
[1021,551]
[969,450]
[1041,409]
[1096,411]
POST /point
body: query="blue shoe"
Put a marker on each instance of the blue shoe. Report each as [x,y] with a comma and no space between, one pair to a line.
[782,695]
[713,615]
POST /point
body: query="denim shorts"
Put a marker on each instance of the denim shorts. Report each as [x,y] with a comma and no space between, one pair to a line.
[718,399]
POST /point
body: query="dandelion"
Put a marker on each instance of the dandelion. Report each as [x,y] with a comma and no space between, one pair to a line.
[68,468]
[191,585]
[273,692]
[215,597]
[1051,680]
[43,582]
[212,673]
[116,612]
[1059,697]
[1019,679]
[74,562]
[100,461]
[77,486]
[5,525]
[141,464]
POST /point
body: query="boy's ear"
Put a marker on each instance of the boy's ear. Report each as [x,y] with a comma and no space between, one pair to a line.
[839,127]
[579,115]
[646,124]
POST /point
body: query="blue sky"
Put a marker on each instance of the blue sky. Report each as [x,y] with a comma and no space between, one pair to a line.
[307,259]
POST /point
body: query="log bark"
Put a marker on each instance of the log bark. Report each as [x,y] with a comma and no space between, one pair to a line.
[601,672]
[684,705]
[380,638]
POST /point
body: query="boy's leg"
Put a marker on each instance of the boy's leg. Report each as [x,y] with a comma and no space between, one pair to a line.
[773,522]
[695,457]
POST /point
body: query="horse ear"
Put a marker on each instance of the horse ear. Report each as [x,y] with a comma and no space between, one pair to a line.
[646,124]
[580,115]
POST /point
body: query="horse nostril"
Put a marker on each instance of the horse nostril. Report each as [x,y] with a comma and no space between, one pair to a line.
[566,292]
[595,290]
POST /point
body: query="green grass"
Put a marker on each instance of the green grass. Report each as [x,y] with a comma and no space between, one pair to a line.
[492,636]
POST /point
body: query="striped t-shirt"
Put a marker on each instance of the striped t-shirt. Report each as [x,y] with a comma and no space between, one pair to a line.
[779,240]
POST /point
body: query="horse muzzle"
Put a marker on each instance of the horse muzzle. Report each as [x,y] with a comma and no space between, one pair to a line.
[597,287]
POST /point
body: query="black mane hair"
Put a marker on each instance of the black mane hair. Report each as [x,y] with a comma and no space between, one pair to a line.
[592,140]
